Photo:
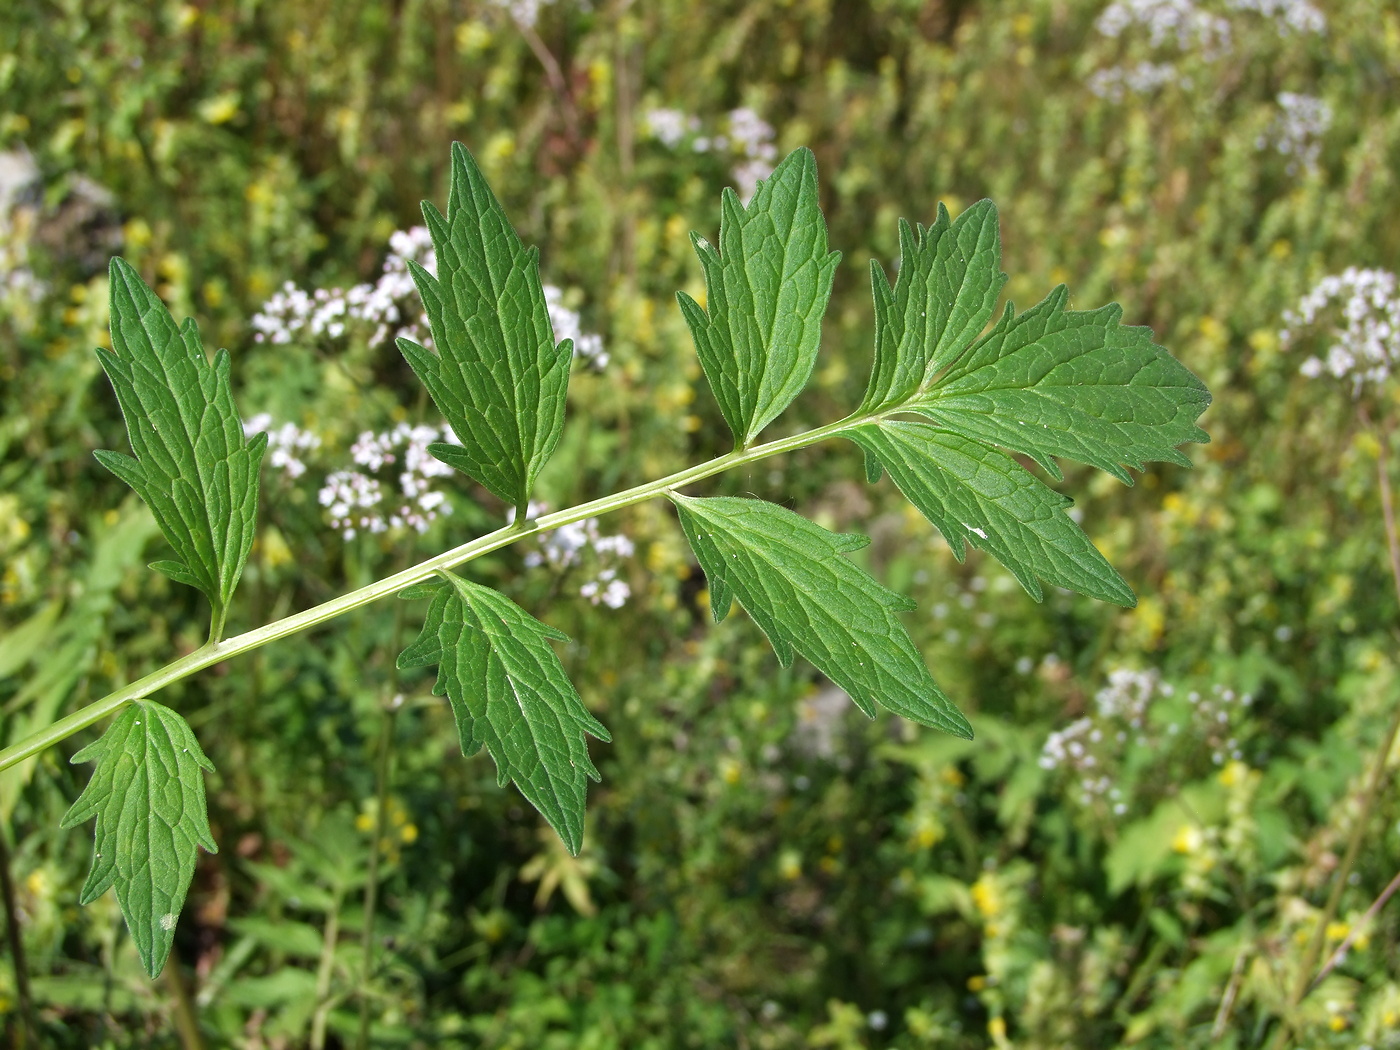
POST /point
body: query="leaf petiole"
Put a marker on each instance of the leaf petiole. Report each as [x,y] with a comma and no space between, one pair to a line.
[218,651]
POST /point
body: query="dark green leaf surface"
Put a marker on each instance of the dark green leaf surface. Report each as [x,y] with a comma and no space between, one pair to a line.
[509,691]
[147,794]
[978,495]
[949,279]
[789,575]
[497,375]
[1079,384]
[193,466]
[766,290]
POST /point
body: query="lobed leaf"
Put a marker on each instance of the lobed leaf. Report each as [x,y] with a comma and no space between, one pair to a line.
[945,293]
[497,375]
[147,794]
[1079,384]
[509,691]
[766,290]
[193,465]
[788,574]
[978,495]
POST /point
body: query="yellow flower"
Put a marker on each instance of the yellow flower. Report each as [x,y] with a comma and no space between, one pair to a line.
[976,983]
[789,864]
[1233,773]
[1336,931]
[996,1028]
[1188,839]
[987,897]
[220,109]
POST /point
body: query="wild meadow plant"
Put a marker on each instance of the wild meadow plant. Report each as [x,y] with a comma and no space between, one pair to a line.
[962,400]
[1176,777]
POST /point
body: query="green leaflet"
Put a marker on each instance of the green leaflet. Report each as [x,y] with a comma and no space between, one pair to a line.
[949,279]
[497,375]
[147,794]
[193,465]
[509,691]
[978,495]
[766,290]
[1057,382]
[789,575]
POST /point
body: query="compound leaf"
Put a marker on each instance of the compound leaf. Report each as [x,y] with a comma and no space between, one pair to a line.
[509,692]
[945,293]
[497,375]
[979,495]
[788,574]
[766,290]
[193,466]
[147,794]
[1079,384]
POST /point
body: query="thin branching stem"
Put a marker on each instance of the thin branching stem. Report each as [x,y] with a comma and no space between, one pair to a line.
[217,652]
[1339,956]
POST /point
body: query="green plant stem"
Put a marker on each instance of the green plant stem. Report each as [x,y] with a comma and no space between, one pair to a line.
[382,774]
[383,777]
[1339,956]
[217,652]
[186,1017]
[1305,980]
[330,937]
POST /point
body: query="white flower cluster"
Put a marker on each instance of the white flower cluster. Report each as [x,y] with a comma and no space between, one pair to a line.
[566,546]
[1302,120]
[1287,15]
[1213,719]
[1090,745]
[285,444]
[754,137]
[354,499]
[670,126]
[1129,694]
[391,305]
[326,311]
[567,325]
[1178,21]
[1367,342]
[1116,82]
[524,12]
[750,136]
[1189,28]
[19,183]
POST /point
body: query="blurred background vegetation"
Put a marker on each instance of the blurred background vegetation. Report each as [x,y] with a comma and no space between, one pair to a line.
[764,867]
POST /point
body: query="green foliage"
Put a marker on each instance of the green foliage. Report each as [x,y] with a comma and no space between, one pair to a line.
[977,495]
[790,576]
[147,794]
[758,851]
[949,281]
[193,466]
[509,692]
[766,290]
[498,376]
[1057,382]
